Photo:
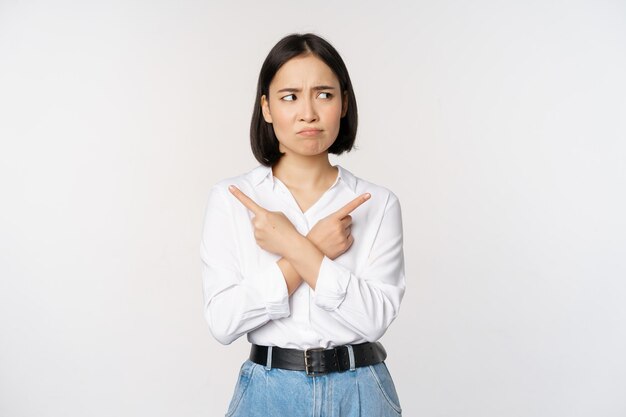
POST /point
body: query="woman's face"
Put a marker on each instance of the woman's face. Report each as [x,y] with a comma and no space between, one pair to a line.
[305,94]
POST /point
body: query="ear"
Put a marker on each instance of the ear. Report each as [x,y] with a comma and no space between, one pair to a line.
[344,104]
[265,108]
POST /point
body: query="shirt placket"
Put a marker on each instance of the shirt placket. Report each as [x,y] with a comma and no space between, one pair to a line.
[301,298]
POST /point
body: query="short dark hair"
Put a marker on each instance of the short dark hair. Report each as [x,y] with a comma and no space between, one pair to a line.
[262,137]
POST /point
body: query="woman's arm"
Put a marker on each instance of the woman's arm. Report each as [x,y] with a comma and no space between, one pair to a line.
[234,304]
[274,232]
[368,303]
[332,237]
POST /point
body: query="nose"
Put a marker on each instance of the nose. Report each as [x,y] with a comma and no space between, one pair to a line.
[308,112]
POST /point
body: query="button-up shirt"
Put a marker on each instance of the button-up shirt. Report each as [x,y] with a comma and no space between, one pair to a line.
[357,294]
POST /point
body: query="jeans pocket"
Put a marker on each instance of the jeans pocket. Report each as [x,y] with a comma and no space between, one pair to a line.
[243,380]
[385,384]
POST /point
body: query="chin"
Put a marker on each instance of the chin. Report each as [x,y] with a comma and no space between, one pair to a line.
[306,148]
[318,150]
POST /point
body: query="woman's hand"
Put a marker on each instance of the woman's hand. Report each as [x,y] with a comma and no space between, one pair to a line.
[272,229]
[332,235]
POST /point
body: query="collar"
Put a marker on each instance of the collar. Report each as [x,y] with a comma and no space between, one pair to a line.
[264,173]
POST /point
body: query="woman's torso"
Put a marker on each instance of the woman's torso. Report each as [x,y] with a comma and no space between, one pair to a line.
[308,325]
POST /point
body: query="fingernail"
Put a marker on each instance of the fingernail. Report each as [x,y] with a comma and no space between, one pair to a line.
[231,188]
[367,196]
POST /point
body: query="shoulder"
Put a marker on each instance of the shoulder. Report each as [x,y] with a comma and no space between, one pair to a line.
[221,199]
[380,193]
[242,181]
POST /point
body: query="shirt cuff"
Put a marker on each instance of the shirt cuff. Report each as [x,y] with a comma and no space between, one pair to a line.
[273,289]
[332,285]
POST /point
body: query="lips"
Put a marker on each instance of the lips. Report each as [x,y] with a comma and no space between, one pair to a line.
[309,132]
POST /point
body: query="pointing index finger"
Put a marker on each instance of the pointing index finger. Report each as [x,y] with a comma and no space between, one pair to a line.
[245,200]
[352,205]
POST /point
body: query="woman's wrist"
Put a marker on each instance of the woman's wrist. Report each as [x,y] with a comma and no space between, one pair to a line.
[305,258]
[295,244]
[292,278]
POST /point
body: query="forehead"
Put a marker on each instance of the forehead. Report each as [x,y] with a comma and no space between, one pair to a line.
[304,70]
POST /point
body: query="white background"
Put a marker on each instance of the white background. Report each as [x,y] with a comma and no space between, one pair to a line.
[499,125]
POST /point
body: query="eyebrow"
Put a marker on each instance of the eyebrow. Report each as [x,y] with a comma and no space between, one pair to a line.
[297,90]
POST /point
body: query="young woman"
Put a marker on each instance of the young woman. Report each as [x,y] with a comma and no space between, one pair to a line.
[303,256]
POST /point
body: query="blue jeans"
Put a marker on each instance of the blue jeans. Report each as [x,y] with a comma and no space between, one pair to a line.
[272,392]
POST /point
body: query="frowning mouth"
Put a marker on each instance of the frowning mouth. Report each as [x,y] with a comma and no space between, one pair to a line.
[309,132]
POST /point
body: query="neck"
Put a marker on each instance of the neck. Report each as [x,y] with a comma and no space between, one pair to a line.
[309,173]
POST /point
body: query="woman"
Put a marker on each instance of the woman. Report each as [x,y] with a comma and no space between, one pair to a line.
[303,256]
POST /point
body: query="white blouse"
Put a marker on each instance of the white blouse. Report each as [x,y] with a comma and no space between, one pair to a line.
[357,295]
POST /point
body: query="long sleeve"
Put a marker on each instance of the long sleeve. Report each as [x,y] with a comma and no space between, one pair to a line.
[368,303]
[235,304]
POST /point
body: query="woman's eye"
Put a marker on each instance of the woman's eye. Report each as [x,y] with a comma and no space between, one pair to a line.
[328,95]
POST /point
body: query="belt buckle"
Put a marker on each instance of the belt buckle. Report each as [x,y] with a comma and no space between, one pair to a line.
[307,365]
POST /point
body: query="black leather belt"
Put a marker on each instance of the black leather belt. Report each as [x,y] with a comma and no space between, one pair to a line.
[318,361]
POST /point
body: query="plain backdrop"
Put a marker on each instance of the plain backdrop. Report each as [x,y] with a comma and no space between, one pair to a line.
[500,125]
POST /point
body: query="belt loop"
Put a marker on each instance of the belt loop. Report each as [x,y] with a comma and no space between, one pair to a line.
[268,365]
[351,355]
